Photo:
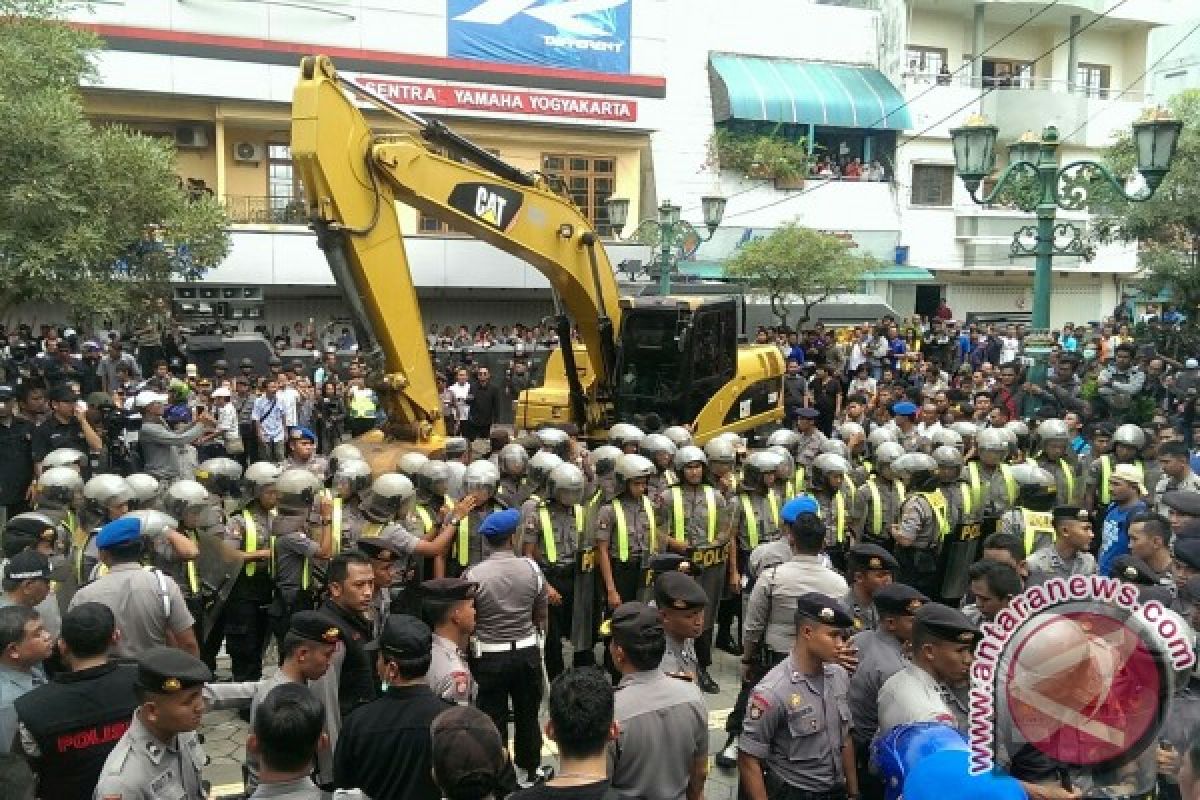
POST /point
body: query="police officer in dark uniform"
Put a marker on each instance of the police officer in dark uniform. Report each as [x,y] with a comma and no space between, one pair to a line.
[16,468]
[70,725]
[795,742]
[681,602]
[160,754]
[870,568]
[510,613]
[66,427]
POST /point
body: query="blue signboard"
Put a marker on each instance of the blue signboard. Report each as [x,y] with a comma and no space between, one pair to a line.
[591,35]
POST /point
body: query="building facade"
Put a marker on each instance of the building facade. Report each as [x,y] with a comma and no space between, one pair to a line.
[625,100]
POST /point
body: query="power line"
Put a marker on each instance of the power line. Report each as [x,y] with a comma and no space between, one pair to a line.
[988,90]
[1136,80]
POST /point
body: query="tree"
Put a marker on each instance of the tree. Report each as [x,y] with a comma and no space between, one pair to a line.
[1166,227]
[91,217]
[798,266]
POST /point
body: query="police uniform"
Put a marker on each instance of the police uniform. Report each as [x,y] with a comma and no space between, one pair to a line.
[448,675]
[915,695]
[1182,503]
[924,522]
[1049,563]
[1131,569]
[468,550]
[146,602]
[506,661]
[383,601]
[246,623]
[292,554]
[867,557]
[663,721]
[1190,483]
[141,767]
[681,592]
[797,724]
[698,516]
[880,656]
[1068,484]
[513,491]
[631,530]
[559,537]
[1001,489]
[836,508]
[877,508]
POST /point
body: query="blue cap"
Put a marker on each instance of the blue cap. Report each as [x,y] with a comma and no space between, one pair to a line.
[904,408]
[303,433]
[500,523]
[118,532]
[804,504]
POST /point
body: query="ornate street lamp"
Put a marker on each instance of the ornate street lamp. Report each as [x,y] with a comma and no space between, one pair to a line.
[668,231]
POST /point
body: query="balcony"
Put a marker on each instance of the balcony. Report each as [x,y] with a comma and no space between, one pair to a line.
[1088,116]
[986,236]
[251,210]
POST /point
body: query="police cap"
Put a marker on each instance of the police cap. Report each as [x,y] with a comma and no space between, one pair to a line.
[302,433]
[679,591]
[315,627]
[1187,551]
[119,532]
[1183,501]
[1132,569]
[28,529]
[822,608]
[668,562]
[899,599]
[27,566]
[405,637]
[945,623]
[500,523]
[379,549]
[166,670]
[872,556]
[450,589]
[808,413]
[635,624]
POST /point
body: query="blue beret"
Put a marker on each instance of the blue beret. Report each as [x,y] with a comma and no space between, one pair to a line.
[118,532]
[303,433]
[904,408]
[500,523]
[804,504]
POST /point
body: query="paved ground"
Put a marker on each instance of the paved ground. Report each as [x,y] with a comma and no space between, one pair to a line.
[225,737]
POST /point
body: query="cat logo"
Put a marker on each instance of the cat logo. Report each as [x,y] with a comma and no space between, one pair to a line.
[489,203]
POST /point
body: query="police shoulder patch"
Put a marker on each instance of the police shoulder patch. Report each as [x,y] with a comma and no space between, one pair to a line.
[759,704]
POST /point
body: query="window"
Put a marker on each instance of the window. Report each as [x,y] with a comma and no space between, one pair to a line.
[1004,74]
[283,190]
[926,61]
[1093,79]
[588,181]
[932,185]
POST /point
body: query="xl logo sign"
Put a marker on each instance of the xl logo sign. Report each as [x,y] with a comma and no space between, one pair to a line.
[489,203]
[569,16]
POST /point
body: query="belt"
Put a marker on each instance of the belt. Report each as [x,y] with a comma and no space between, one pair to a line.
[504,647]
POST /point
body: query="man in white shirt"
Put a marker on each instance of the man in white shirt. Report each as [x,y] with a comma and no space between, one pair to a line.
[227,420]
[460,397]
[288,397]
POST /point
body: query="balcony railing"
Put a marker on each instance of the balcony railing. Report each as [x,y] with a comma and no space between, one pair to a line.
[965,79]
[250,210]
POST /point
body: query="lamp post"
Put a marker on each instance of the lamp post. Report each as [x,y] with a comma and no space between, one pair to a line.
[1068,187]
[668,232]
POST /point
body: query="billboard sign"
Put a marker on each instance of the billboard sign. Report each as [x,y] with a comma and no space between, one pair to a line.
[591,35]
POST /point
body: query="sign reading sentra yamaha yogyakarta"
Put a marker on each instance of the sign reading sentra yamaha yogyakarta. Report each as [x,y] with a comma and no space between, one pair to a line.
[490,99]
[591,35]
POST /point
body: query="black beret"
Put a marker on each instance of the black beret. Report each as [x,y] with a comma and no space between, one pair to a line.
[635,624]
[1187,550]
[897,599]
[1131,569]
[380,549]
[314,626]
[872,556]
[1070,512]
[164,670]
[947,624]
[823,609]
[448,589]
[1183,501]
[679,591]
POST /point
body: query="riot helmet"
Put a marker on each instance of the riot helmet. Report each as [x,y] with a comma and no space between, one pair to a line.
[482,478]
[632,467]
[625,436]
[391,496]
[433,480]
[513,460]
[604,459]
[566,484]
[679,436]
[659,449]
[758,473]
[103,492]
[144,487]
[410,464]
[219,476]
[918,471]
[59,488]
[351,477]
[298,490]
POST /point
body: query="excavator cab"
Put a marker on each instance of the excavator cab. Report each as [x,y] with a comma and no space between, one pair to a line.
[673,355]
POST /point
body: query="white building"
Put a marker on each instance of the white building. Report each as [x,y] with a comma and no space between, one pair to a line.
[859,77]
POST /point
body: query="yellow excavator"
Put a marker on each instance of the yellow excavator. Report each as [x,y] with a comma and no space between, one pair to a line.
[646,360]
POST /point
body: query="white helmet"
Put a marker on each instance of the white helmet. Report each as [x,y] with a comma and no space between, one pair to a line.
[219,475]
[481,476]
[59,487]
[184,497]
[623,434]
[354,473]
[410,464]
[391,496]
[144,487]
[64,457]
[154,524]
[689,454]
[103,491]
[720,451]
[604,459]
[260,476]
[433,479]
[679,435]
[566,484]
[297,491]
[513,459]
[784,438]
[631,467]
[540,466]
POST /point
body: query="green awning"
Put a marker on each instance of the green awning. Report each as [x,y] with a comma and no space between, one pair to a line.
[898,275]
[804,93]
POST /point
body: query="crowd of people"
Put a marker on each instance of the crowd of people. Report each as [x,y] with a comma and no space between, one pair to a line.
[386,631]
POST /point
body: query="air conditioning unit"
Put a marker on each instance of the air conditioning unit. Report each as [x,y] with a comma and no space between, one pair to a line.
[191,137]
[247,152]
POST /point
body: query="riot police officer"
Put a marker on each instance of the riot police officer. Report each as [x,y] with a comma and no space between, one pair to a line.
[996,491]
[294,546]
[1055,441]
[924,521]
[626,532]
[661,452]
[1031,521]
[789,440]
[603,486]
[879,498]
[482,480]
[247,625]
[512,461]
[555,537]
[698,522]
[1128,441]
[540,466]
[348,479]
[755,521]
[145,490]
[626,437]
[722,465]
[829,477]
[106,498]
[432,481]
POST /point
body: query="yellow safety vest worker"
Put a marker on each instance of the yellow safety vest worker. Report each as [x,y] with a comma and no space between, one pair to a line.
[752,518]
[941,510]
[362,404]
[623,527]
[798,482]
[710,500]
[967,506]
[1106,468]
[250,542]
[549,547]
[1035,523]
